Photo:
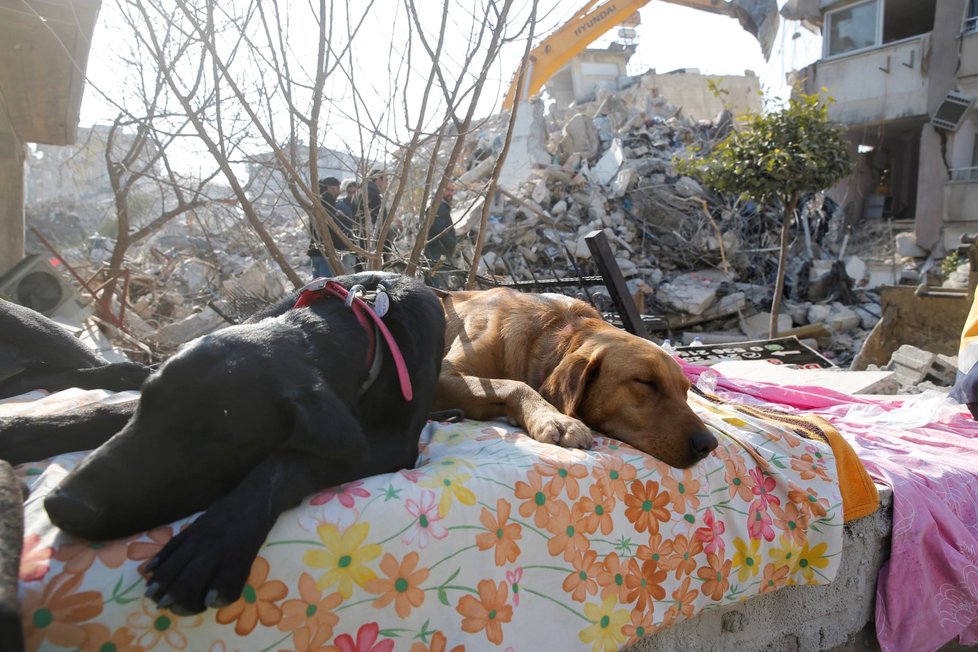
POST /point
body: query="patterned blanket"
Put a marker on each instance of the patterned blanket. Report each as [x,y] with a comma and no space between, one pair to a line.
[490,536]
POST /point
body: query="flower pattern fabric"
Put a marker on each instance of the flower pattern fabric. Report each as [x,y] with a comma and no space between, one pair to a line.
[490,535]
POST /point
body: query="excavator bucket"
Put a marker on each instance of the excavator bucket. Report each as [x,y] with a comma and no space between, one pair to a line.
[760,18]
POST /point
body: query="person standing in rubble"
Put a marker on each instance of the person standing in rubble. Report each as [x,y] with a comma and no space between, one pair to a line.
[440,241]
[347,203]
[370,208]
[329,190]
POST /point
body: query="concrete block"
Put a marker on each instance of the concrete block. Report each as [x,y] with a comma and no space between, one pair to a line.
[201,323]
[610,162]
[758,327]
[913,358]
[842,318]
[580,137]
[692,293]
[907,247]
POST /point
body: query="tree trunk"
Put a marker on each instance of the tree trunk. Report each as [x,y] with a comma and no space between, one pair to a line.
[789,214]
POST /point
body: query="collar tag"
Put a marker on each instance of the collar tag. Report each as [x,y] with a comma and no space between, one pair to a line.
[381,302]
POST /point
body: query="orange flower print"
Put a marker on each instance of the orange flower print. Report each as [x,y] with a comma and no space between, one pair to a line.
[78,555]
[594,512]
[257,602]
[366,641]
[501,535]
[538,502]
[488,612]
[646,506]
[401,586]
[614,477]
[792,521]
[658,550]
[639,624]
[143,551]
[439,643]
[683,558]
[715,576]
[34,559]
[775,577]
[685,599]
[563,477]
[682,491]
[567,539]
[643,584]
[583,581]
[152,625]
[98,638]
[611,578]
[808,501]
[810,465]
[55,612]
[310,618]
[735,474]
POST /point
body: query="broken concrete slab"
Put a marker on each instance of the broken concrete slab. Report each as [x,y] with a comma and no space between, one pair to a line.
[758,326]
[839,380]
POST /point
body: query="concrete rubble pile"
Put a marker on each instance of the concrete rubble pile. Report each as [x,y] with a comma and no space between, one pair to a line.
[705,263]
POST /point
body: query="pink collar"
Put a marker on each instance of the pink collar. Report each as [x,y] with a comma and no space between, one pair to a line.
[323,287]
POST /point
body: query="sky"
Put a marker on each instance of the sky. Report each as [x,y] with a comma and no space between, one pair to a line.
[669,37]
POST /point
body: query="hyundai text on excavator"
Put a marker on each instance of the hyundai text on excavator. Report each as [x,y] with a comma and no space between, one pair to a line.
[759,17]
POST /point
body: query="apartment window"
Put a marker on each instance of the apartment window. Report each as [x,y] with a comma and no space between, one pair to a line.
[971,18]
[855,27]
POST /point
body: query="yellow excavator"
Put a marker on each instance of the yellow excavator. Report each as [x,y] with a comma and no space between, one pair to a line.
[759,17]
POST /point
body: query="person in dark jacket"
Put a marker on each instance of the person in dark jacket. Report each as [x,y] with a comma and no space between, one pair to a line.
[329,190]
[440,242]
[370,205]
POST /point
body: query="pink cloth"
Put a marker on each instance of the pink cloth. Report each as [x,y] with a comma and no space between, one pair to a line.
[926,450]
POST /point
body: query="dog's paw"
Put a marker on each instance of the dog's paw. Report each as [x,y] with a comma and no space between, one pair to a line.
[204,566]
[562,430]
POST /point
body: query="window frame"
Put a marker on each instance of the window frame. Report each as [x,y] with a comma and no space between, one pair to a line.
[878,31]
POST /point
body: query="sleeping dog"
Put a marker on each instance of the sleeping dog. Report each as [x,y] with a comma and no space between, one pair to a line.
[35,352]
[245,422]
[551,364]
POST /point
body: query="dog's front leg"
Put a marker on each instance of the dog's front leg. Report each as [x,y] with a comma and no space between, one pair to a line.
[207,564]
[485,398]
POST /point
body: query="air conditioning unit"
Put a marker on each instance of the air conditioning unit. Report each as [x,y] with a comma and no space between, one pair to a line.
[36,284]
[952,111]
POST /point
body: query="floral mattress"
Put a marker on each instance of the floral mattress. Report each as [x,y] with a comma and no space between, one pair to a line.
[490,536]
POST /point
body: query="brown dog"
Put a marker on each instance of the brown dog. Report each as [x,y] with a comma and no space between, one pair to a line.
[550,364]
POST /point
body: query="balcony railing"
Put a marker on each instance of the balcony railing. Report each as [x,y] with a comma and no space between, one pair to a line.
[964,174]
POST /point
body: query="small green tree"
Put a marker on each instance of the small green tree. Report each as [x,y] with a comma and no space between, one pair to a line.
[776,156]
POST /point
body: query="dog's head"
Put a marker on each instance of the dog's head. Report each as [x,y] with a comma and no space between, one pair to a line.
[212,413]
[629,388]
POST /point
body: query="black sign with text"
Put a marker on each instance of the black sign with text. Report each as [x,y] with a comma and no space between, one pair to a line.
[782,350]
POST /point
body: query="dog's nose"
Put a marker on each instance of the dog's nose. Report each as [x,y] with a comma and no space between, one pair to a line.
[702,443]
[70,513]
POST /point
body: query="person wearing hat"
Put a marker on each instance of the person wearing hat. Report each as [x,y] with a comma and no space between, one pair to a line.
[329,190]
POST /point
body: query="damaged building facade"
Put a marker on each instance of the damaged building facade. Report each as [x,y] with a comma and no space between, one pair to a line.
[904,76]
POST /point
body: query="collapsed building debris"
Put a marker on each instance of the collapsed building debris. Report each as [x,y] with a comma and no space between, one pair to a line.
[702,262]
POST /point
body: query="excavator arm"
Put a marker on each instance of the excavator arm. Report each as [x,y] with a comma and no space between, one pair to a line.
[593,20]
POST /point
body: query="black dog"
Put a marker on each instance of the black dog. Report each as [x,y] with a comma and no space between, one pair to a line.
[36,353]
[245,422]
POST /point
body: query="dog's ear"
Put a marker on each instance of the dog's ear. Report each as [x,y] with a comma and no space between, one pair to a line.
[323,425]
[565,387]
